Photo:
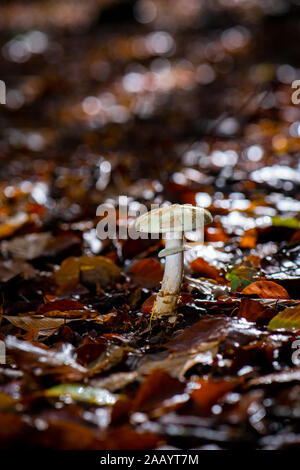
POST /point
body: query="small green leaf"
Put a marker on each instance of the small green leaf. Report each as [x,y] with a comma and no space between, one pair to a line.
[94,395]
[289,319]
[241,276]
[286,222]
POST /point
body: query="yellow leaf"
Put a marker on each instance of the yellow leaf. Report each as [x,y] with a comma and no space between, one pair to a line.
[289,319]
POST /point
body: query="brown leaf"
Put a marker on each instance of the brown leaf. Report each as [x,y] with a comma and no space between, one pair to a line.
[160,393]
[253,310]
[125,438]
[148,305]
[26,247]
[178,363]
[210,391]
[12,268]
[11,429]
[207,329]
[39,361]
[35,323]
[202,268]
[66,308]
[148,272]
[266,290]
[102,270]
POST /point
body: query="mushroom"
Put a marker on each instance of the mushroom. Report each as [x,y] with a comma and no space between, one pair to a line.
[172,221]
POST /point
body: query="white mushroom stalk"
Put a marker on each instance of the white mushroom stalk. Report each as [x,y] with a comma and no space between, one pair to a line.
[172,221]
[168,295]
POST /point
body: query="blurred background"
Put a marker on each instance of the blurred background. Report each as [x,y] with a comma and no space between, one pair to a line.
[186,101]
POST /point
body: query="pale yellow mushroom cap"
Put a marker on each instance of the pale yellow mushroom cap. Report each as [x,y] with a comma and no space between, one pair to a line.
[174,218]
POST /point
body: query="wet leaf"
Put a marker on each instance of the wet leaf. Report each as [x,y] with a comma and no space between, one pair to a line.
[160,393]
[38,361]
[78,392]
[178,363]
[249,239]
[65,308]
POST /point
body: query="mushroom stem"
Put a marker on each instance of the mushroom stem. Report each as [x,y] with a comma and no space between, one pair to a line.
[168,295]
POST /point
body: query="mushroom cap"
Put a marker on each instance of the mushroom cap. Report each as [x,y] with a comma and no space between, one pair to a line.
[174,218]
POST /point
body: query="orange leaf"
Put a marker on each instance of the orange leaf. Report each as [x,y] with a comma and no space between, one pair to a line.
[249,239]
[266,290]
[147,271]
[200,266]
[215,234]
[210,391]
[148,305]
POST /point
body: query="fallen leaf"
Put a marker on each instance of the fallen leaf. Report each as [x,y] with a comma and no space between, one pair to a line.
[284,376]
[83,393]
[249,239]
[241,276]
[27,247]
[178,363]
[253,310]
[266,290]
[125,438]
[101,269]
[286,222]
[211,390]
[39,361]
[41,325]
[66,308]
[148,272]
[12,224]
[6,401]
[148,305]
[12,268]
[160,393]
[289,319]
[201,267]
